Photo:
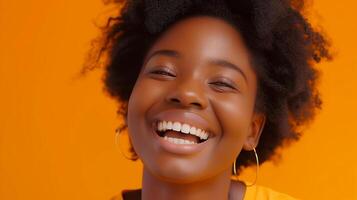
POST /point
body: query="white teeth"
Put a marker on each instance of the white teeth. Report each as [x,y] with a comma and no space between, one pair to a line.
[169,125]
[176,126]
[178,140]
[204,135]
[164,126]
[160,128]
[184,128]
[193,131]
[198,132]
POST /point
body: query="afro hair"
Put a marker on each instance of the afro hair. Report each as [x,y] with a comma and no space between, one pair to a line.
[284,46]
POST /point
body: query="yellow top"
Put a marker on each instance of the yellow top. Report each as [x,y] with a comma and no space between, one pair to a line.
[264,193]
[252,193]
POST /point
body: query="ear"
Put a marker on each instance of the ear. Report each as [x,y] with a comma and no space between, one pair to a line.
[255,130]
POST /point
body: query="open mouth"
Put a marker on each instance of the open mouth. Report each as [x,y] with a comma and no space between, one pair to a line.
[181,133]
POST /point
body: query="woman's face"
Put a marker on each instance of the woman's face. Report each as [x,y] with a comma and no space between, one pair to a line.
[196,76]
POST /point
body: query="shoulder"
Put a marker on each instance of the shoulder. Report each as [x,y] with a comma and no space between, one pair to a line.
[265,193]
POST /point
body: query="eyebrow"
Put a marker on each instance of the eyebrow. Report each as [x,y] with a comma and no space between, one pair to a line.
[217,62]
[163,52]
[224,63]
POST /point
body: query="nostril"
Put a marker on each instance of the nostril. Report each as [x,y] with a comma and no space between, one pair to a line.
[178,101]
[175,100]
[196,104]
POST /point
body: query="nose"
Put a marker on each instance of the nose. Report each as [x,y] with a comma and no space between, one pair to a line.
[188,94]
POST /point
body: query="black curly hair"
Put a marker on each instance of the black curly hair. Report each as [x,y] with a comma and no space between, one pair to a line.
[283,44]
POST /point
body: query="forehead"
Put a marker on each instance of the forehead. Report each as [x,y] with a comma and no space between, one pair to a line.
[203,37]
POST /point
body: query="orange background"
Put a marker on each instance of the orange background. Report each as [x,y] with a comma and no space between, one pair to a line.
[57,132]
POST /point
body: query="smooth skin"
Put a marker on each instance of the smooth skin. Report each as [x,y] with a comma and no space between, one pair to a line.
[199,65]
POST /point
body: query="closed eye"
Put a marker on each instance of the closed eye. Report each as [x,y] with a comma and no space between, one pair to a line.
[162,72]
[224,84]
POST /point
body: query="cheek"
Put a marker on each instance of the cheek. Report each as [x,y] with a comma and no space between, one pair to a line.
[234,115]
[145,94]
[142,99]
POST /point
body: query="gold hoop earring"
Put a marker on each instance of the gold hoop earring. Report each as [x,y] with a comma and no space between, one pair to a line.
[257,168]
[117,144]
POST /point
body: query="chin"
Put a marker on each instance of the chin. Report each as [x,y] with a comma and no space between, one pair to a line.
[177,170]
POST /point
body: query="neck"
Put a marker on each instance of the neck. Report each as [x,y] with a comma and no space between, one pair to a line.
[217,187]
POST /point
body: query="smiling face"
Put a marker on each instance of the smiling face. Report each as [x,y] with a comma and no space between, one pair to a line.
[197,75]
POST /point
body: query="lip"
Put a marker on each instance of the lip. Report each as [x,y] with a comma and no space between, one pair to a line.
[180,149]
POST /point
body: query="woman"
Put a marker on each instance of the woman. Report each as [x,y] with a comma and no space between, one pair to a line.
[204,85]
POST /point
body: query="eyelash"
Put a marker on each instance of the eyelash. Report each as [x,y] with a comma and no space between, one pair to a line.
[216,83]
[224,84]
[163,72]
